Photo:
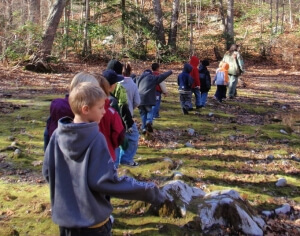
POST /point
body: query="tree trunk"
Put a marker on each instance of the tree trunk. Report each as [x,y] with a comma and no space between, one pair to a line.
[282,17]
[191,31]
[277,15]
[291,15]
[8,16]
[87,50]
[271,14]
[66,26]
[221,11]
[24,12]
[159,27]
[34,11]
[123,22]
[174,25]
[51,27]
[229,28]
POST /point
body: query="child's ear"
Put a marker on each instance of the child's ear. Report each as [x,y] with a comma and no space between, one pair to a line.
[85,109]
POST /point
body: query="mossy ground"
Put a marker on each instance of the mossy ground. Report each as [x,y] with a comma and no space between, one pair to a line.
[230,146]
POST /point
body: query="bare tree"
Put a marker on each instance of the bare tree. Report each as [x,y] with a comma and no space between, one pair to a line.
[291,14]
[230,26]
[159,27]
[87,48]
[174,25]
[34,11]
[8,16]
[277,15]
[123,7]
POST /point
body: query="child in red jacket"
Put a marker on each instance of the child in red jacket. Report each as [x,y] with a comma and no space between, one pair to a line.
[194,61]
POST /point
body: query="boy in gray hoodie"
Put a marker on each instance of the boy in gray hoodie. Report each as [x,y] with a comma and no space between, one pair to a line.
[81,173]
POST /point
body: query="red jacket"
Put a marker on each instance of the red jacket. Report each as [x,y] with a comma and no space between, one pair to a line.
[112,128]
[157,88]
[194,61]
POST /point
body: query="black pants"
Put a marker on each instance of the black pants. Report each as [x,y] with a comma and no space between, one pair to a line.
[104,230]
[221,92]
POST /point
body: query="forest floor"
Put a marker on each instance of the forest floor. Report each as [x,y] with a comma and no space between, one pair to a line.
[245,144]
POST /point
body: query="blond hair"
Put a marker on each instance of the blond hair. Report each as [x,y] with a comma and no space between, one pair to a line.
[221,64]
[104,84]
[83,77]
[85,94]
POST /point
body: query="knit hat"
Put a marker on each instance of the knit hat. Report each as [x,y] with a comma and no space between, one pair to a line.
[112,76]
[115,65]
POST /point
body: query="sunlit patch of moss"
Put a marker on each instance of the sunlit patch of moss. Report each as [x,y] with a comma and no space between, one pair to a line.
[26,206]
[275,131]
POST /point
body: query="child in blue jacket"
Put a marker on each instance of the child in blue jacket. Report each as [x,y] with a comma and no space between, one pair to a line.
[185,82]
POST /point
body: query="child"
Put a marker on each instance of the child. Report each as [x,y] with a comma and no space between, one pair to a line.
[80,172]
[221,80]
[146,84]
[160,89]
[194,61]
[111,124]
[205,82]
[133,97]
[185,82]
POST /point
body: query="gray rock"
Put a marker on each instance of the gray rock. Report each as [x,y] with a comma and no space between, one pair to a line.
[190,131]
[177,175]
[181,192]
[284,209]
[220,208]
[270,157]
[232,137]
[168,159]
[17,152]
[295,158]
[267,213]
[189,144]
[11,138]
[210,114]
[13,144]
[283,131]
[281,182]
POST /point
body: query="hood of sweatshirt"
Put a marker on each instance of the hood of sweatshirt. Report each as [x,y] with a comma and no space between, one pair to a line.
[225,66]
[187,68]
[202,68]
[74,139]
[194,61]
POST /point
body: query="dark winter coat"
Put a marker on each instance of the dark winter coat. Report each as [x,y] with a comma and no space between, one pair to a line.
[147,83]
[205,79]
[184,80]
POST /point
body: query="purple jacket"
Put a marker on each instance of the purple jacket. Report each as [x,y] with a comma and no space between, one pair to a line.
[59,108]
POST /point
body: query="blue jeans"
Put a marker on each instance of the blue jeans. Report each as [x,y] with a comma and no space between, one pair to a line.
[203,98]
[117,152]
[196,91]
[155,109]
[126,156]
[185,100]
[146,115]
[233,80]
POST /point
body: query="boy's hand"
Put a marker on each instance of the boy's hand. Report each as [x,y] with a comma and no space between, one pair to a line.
[130,130]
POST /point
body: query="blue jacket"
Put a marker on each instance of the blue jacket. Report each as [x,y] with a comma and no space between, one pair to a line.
[184,79]
[81,173]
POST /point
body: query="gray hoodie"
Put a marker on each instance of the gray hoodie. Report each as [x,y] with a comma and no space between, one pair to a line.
[80,172]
